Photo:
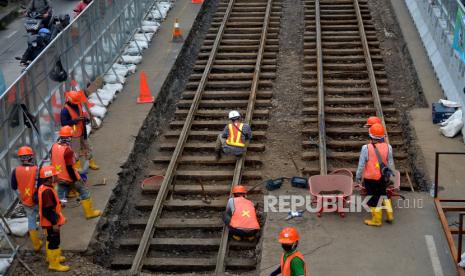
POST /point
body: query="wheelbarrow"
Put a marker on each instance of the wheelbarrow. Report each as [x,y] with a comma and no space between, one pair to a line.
[336,188]
[392,189]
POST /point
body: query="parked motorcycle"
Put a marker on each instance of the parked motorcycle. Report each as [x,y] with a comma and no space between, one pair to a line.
[35,21]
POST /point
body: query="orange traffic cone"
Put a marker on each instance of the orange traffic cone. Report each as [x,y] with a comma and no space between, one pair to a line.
[177,35]
[197,1]
[145,96]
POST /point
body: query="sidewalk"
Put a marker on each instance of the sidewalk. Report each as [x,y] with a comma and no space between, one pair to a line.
[114,142]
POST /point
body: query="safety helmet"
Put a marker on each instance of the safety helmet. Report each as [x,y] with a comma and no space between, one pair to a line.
[233,115]
[376,131]
[48,171]
[373,120]
[44,31]
[25,150]
[66,131]
[239,189]
[289,235]
[74,97]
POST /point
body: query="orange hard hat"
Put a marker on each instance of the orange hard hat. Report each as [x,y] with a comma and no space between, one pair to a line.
[376,131]
[239,189]
[289,235]
[373,120]
[25,150]
[66,131]
[74,97]
[48,171]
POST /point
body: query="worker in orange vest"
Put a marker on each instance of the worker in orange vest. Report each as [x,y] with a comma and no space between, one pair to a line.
[73,115]
[23,179]
[235,137]
[241,216]
[372,120]
[292,261]
[51,217]
[370,168]
[63,159]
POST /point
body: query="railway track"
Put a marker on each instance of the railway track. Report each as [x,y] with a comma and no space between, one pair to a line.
[344,82]
[181,229]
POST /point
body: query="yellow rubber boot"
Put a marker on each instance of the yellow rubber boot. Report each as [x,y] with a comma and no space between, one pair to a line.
[47,254]
[36,242]
[54,261]
[376,218]
[92,165]
[89,212]
[389,211]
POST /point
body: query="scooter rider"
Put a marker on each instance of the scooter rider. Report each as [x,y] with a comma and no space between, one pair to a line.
[42,7]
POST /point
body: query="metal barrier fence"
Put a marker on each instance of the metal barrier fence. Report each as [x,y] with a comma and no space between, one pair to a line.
[30,108]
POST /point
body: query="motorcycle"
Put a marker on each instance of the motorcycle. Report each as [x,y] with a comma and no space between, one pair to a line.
[36,43]
[35,21]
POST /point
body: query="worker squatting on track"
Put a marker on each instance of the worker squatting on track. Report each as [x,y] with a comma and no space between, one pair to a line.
[292,261]
[235,137]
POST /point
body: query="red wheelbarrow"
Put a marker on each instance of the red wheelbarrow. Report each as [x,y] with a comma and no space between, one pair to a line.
[335,188]
[392,190]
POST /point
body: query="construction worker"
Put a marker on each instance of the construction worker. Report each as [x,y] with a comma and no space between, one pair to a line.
[292,261]
[235,137]
[370,169]
[51,218]
[63,159]
[372,120]
[23,179]
[72,115]
[240,216]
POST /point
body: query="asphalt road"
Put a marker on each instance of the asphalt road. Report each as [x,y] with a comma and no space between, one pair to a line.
[13,41]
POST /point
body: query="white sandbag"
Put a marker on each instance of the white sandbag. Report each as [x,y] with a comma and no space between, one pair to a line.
[131,59]
[139,44]
[132,51]
[18,226]
[453,125]
[100,102]
[149,23]
[5,264]
[98,111]
[88,129]
[149,29]
[106,94]
[448,103]
[124,69]
[112,78]
[118,87]
[143,37]
[98,122]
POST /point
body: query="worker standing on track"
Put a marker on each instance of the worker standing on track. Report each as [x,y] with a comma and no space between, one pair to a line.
[23,179]
[68,177]
[235,137]
[241,216]
[51,217]
[370,168]
[73,115]
[292,261]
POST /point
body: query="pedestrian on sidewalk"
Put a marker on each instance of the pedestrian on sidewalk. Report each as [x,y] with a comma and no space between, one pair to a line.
[370,167]
[63,159]
[23,179]
[241,216]
[235,137]
[292,261]
[51,218]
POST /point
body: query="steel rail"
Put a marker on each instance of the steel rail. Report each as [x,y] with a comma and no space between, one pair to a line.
[371,71]
[170,172]
[321,93]
[220,267]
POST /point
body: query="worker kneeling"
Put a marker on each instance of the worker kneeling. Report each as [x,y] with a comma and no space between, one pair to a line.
[235,137]
[241,216]
[292,261]
[51,218]
[373,157]
[63,158]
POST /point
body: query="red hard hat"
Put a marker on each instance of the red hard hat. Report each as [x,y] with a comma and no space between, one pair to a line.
[239,189]
[74,97]
[66,131]
[373,120]
[48,171]
[25,150]
[289,235]
[376,131]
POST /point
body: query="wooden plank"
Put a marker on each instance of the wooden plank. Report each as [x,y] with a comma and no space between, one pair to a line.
[216,175]
[228,94]
[254,147]
[174,204]
[257,124]
[200,134]
[346,131]
[347,100]
[208,160]
[191,189]
[354,144]
[348,110]
[349,156]
[193,243]
[222,103]
[220,113]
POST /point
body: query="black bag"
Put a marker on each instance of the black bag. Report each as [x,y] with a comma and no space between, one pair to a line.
[58,73]
[386,172]
[28,118]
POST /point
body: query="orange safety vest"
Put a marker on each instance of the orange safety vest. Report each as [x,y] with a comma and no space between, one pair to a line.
[43,221]
[286,265]
[372,167]
[244,216]
[26,178]
[79,127]
[58,161]
[235,135]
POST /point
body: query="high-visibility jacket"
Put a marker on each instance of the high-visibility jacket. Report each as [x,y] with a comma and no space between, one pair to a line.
[244,216]
[372,167]
[235,135]
[43,221]
[26,179]
[58,160]
[79,127]
[286,265]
